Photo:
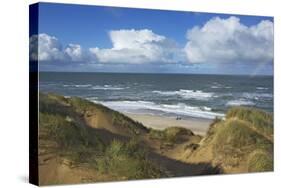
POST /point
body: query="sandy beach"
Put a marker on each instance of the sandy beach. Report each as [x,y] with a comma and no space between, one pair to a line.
[197,125]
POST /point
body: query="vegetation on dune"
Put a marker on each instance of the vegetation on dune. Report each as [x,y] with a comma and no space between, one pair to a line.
[260,161]
[259,120]
[237,135]
[123,121]
[118,119]
[53,104]
[76,107]
[171,134]
[82,106]
[129,161]
[63,132]
[242,141]
[64,137]
[235,140]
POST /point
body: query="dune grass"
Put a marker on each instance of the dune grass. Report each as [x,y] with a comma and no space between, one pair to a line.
[63,131]
[125,160]
[260,120]
[241,137]
[260,161]
[171,135]
[128,160]
[119,119]
[64,137]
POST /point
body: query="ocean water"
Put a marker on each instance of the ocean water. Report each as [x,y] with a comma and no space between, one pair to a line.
[198,96]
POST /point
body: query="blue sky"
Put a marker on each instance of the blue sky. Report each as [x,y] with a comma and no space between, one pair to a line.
[95,38]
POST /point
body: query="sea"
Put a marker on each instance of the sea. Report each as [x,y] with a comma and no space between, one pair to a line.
[175,95]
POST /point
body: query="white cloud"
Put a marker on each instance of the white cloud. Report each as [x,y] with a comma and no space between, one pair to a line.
[50,49]
[74,51]
[139,46]
[33,47]
[230,41]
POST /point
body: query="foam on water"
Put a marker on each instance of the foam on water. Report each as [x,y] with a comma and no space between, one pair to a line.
[187,94]
[220,87]
[77,85]
[147,106]
[256,96]
[240,102]
[94,87]
[261,88]
[107,87]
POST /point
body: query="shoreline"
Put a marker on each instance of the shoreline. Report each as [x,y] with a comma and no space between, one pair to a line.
[197,125]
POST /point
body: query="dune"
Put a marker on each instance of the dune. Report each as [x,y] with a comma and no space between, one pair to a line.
[81,141]
[243,142]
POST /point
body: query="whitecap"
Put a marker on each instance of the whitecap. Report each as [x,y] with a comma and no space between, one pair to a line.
[107,87]
[240,102]
[83,85]
[257,96]
[187,94]
[215,87]
[261,88]
[147,106]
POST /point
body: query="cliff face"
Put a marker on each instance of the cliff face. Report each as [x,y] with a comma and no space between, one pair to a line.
[81,141]
[243,142]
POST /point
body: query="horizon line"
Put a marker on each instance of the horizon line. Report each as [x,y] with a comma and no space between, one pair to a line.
[172,73]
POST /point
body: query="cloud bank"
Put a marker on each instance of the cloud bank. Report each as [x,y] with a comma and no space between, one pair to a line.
[223,42]
[229,41]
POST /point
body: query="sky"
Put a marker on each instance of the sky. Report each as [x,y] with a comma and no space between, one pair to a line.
[80,38]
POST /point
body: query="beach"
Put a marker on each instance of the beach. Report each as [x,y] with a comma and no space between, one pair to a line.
[197,125]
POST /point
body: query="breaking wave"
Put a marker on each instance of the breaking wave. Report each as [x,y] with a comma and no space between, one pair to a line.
[240,102]
[151,107]
[187,94]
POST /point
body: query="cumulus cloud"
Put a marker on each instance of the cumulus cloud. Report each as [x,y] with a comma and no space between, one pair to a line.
[229,41]
[139,46]
[48,48]
[74,51]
